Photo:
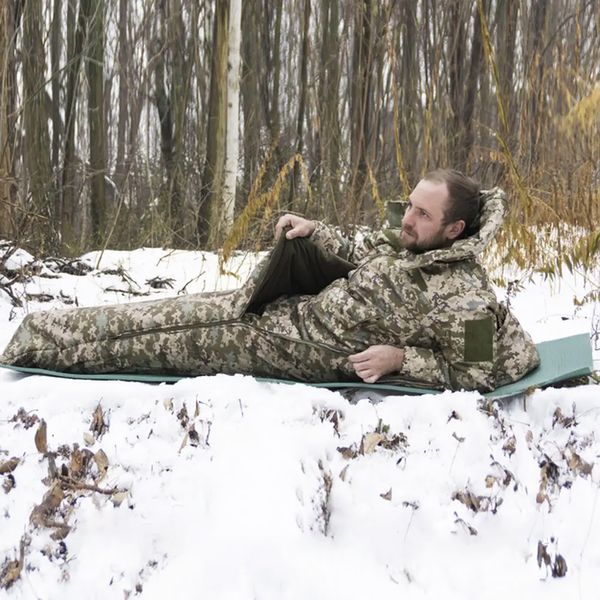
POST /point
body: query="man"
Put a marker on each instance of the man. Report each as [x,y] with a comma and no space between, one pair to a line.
[428,224]
[415,307]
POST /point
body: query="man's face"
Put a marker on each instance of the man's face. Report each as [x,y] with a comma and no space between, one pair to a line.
[423,226]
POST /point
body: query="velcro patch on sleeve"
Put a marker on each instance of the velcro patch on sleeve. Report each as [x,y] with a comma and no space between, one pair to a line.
[479,340]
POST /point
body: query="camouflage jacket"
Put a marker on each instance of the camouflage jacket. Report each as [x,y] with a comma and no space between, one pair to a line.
[288,321]
[437,305]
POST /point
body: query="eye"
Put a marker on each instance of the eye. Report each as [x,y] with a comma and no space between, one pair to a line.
[424,214]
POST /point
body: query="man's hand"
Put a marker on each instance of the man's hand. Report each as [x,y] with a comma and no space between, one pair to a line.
[300,227]
[376,361]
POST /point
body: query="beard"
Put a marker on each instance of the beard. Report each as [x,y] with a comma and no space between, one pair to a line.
[412,242]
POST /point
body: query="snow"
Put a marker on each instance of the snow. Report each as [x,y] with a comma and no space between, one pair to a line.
[271,491]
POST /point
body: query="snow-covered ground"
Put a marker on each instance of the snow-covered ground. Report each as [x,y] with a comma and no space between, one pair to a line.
[227,488]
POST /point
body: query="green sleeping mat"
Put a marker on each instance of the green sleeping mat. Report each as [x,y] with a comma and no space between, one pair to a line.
[561,359]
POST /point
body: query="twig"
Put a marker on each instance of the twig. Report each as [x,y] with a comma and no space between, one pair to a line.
[77,485]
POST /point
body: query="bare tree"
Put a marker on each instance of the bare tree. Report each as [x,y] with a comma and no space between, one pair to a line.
[214,165]
[10,14]
[360,108]
[69,208]
[233,109]
[94,15]
[302,84]
[35,121]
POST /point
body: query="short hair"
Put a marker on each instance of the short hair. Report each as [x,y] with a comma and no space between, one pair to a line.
[464,199]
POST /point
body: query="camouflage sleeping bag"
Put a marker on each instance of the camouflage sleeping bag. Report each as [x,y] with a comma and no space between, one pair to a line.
[305,308]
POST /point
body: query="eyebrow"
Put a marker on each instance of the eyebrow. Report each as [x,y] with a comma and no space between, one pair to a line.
[418,207]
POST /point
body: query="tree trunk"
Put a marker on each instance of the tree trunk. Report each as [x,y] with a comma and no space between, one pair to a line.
[251,109]
[233,113]
[211,193]
[409,96]
[472,85]
[507,12]
[179,94]
[535,76]
[55,51]
[9,17]
[96,118]
[302,100]
[76,32]
[37,140]
[456,77]
[360,100]
[329,133]
[123,58]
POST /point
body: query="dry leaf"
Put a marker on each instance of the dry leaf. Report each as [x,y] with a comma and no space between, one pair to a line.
[343,472]
[184,442]
[41,442]
[9,465]
[468,528]
[542,555]
[577,464]
[79,462]
[529,438]
[99,425]
[9,483]
[183,416]
[347,452]
[369,442]
[9,573]
[394,441]
[61,530]
[477,503]
[193,435]
[559,568]
[28,420]
[101,461]
[118,497]
[387,495]
[51,501]
[89,439]
[510,445]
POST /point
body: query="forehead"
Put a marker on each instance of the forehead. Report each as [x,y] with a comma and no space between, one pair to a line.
[431,196]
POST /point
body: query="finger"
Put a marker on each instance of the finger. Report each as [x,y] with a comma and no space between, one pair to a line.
[359,356]
[368,376]
[281,224]
[364,372]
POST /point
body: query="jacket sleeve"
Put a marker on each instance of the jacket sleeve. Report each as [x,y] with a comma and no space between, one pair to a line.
[353,250]
[464,359]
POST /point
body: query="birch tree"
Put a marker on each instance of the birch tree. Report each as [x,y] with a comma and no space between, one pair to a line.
[233,111]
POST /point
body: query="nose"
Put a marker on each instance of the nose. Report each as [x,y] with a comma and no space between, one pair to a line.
[408,218]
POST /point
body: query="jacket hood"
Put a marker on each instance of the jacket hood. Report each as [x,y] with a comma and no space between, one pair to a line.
[491,216]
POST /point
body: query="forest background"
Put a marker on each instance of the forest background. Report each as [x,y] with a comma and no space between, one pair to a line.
[188,123]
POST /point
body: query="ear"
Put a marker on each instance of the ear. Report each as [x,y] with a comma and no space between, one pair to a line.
[454,230]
